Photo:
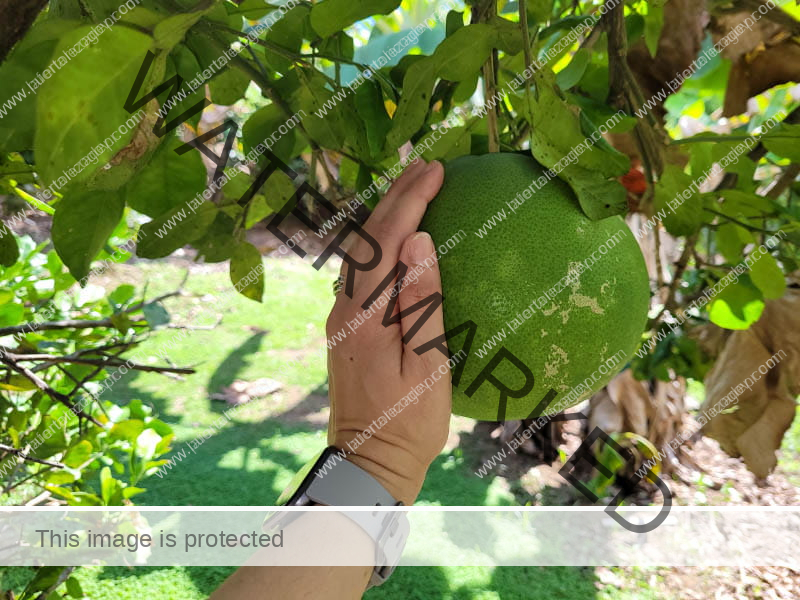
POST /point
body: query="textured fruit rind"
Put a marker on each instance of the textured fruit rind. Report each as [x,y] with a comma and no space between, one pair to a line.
[574,342]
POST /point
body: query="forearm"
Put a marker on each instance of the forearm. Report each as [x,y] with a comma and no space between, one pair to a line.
[329,582]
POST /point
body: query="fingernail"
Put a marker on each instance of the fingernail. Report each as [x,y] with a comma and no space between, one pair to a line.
[420,248]
[414,164]
[430,166]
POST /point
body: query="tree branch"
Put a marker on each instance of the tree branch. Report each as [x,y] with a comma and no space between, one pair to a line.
[16,17]
[101,362]
[24,456]
[482,13]
[624,93]
[82,323]
[785,181]
[43,387]
[61,579]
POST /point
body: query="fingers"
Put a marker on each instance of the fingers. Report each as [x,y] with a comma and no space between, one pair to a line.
[422,286]
[396,217]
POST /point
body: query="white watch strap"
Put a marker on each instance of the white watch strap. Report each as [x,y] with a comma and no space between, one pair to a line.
[346,484]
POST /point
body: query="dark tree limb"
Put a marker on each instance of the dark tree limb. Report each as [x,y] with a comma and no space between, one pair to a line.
[82,323]
[43,387]
[16,17]
[624,93]
[108,363]
[24,456]
[785,181]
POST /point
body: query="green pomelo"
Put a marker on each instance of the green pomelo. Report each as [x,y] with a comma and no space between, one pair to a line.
[574,340]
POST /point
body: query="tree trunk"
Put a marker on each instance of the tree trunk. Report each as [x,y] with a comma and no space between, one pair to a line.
[16,17]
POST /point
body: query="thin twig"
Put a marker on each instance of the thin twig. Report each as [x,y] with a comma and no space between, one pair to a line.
[680,268]
[739,223]
[107,363]
[85,323]
[784,182]
[526,42]
[61,579]
[24,456]
[43,387]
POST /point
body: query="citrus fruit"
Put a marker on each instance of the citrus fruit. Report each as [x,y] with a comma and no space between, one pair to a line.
[546,288]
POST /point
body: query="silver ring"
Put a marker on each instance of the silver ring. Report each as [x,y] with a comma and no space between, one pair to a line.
[338,285]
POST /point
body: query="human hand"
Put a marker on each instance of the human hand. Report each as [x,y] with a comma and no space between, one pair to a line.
[371,370]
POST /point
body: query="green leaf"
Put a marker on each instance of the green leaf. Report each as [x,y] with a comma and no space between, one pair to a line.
[108,486]
[31,56]
[11,314]
[218,243]
[456,141]
[687,216]
[539,11]
[249,9]
[413,106]
[453,22]
[121,295]
[127,430]
[146,444]
[78,454]
[171,31]
[768,276]
[174,229]
[168,181]
[507,35]
[9,251]
[228,87]
[82,225]
[74,588]
[653,24]
[738,202]
[81,105]
[288,33]
[370,107]
[559,143]
[155,314]
[275,193]
[731,240]
[327,128]
[44,578]
[787,145]
[457,58]
[331,16]
[599,113]
[573,72]
[262,125]
[15,383]
[701,161]
[130,492]
[464,52]
[247,272]
[737,306]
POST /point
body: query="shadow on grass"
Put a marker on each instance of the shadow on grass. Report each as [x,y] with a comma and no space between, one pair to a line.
[424,583]
[228,370]
[204,579]
[506,583]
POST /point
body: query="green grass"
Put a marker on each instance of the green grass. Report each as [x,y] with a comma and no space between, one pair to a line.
[789,456]
[252,457]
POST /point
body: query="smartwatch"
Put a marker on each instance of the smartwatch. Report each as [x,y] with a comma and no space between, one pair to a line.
[332,480]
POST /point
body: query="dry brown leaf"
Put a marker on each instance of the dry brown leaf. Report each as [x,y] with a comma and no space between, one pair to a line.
[241,391]
[762,414]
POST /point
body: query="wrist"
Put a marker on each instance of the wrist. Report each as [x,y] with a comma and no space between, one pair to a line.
[402,482]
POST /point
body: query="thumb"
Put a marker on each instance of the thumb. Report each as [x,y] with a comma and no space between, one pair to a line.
[420,302]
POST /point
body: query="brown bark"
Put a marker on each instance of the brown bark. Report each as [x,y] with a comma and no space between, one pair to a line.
[16,17]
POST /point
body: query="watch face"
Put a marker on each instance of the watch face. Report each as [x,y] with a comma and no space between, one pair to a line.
[297,488]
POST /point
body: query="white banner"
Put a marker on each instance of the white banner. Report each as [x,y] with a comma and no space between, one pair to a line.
[446,536]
